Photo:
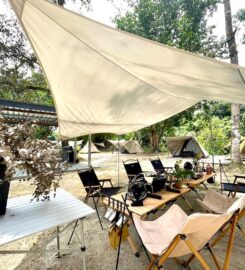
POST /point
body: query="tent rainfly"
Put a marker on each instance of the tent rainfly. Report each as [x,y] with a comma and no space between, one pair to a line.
[85,149]
[185,146]
[130,147]
[136,82]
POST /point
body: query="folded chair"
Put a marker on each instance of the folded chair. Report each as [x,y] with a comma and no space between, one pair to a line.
[158,166]
[132,167]
[217,203]
[176,234]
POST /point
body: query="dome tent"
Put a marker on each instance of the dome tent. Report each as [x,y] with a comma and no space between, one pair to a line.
[185,146]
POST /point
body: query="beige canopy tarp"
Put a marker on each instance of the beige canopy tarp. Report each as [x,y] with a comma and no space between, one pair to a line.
[106,80]
[185,146]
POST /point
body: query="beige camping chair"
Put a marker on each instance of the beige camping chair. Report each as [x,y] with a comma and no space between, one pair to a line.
[175,234]
[217,203]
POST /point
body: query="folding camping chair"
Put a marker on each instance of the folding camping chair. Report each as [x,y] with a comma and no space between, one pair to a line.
[235,187]
[94,188]
[176,234]
[216,203]
[158,166]
[132,167]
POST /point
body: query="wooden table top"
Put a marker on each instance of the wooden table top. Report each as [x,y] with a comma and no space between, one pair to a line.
[195,183]
[150,204]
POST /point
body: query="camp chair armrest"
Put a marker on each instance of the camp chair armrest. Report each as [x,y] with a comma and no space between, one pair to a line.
[103,181]
[237,176]
[91,187]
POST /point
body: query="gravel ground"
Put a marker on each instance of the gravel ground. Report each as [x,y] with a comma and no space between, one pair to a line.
[99,255]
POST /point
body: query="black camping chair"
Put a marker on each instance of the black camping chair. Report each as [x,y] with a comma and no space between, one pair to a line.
[94,188]
[235,187]
[132,167]
[158,166]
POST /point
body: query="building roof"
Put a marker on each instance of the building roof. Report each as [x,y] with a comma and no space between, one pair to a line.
[14,112]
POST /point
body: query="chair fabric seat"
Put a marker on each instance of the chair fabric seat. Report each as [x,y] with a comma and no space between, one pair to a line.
[158,234]
[199,228]
[110,191]
[214,202]
[234,187]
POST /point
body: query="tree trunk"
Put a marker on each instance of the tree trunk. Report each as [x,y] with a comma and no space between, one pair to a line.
[235,108]
[154,138]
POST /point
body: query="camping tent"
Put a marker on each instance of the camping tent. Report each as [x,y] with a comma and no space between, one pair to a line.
[100,145]
[85,149]
[136,82]
[130,147]
[185,146]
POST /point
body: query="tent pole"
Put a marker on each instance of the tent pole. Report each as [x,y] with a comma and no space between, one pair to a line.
[89,149]
[211,140]
[75,150]
[118,161]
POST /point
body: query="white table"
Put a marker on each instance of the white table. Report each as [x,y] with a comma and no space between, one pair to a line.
[24,218]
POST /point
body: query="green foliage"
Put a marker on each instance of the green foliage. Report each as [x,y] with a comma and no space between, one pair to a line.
[180,173]
[218,141]
[178,23]
[20,75]
[240,16]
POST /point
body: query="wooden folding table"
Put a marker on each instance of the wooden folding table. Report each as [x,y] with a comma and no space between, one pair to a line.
[24,218]
[193,184]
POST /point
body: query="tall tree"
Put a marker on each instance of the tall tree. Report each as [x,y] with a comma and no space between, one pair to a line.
[20,76]
[235,108]
[179,23]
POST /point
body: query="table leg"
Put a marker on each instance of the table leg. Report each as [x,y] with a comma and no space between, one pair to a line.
[58,241]
[83,244]
[197,193]
[187,202]
[204,185]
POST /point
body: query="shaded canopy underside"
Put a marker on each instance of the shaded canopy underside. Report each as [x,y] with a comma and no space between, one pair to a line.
[106,80]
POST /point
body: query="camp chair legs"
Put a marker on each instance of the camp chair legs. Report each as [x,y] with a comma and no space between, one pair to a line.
[187,202]
[240,229]
[133,246]
[157,263]
[214,257]
[227,228]
[230,243]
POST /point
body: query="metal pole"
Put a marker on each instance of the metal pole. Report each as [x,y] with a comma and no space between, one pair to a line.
[58,241]
[211,140]
[89,149]
[83,244]
[75,150]
[118,161]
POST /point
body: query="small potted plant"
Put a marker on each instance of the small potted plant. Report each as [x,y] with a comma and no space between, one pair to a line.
[181,174]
